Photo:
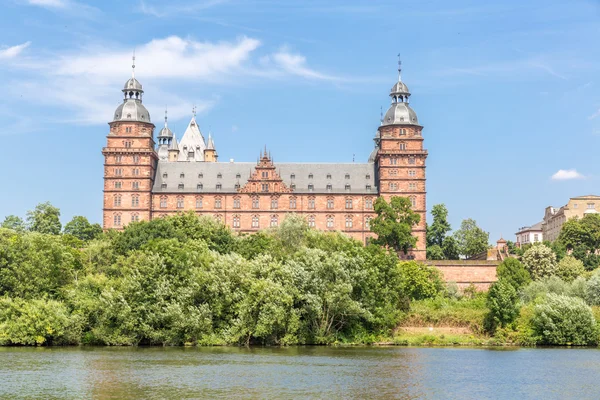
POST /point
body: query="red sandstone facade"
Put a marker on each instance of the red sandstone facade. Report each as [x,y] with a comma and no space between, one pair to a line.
[142,182]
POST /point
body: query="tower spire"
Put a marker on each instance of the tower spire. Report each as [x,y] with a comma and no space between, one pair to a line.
[133,65]
[381,115]
[399,68]
[194,111]
[165,116]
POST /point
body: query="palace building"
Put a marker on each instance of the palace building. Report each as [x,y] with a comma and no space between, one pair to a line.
[145,179]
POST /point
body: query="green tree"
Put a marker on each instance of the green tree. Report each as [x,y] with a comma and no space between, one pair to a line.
[450,248]
[561,320]
[471,239]
[540,261]
[569,268]
[393,223]
[439,228]
[502,302]
[13,222]
[419,281]
[435,252]
[45,218]
[513,272]
[81,228]
[582,237]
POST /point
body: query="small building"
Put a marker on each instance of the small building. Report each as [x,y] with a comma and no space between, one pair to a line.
[530,234]
[555,217]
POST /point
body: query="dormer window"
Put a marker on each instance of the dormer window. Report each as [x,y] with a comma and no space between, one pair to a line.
[293,176]
[200,175]
[328,176]
[368,176]
[219,186]
[163,186]
[180,186]
[219,176]
[182,175]
[199,186]
[329,187]
[236,186]
[347,176]
[347,187]
[238,176]
[311,187]
[368,187]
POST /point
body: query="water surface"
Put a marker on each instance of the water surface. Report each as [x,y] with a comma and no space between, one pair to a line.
[299,372]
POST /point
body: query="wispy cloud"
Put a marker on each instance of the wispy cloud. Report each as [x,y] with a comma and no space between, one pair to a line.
[14,51]
[165,9]
[66,7]
[594,115]
[567,174]
[49,3]
[95,74]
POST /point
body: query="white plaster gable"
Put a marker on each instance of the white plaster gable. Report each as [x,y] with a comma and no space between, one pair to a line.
[192,141]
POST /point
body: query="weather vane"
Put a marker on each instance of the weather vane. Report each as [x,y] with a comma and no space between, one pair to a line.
[133,65]
[399,67]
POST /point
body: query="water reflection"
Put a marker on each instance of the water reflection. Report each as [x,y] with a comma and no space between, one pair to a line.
[297,372]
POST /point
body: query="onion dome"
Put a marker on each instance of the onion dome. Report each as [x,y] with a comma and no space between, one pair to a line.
[400,113]
[132,108]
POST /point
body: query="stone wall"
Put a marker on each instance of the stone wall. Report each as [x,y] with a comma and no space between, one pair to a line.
[480,273]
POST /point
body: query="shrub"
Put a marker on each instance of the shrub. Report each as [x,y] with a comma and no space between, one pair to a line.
[502,302]
[540,261]
[569,268]
[419,281]
[592,290]
[512,271]
[564,320]
[542,287]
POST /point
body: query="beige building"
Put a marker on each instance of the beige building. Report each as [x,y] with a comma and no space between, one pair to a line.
[555,217]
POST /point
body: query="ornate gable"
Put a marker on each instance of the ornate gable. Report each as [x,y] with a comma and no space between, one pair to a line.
[265,178]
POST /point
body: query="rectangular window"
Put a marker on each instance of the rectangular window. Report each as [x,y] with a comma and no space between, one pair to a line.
[311,221]
[118,171]
[255,221]
[135,185]
[236,222]
[163,202]
[136,159]
[329,203]
[117,220]
[368,204]
[265,187]
[311,204]
[255,202]
[348,204]
[136,172]
[236,203]
[393,161]
[274,203]
[293,203]
[118,185]
[412,186]
[135,201]
[217,203]
[135,218]
[118,159]
[199,202]
[412,173]
[180,202]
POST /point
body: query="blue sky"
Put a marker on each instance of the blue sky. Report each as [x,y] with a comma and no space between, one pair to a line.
[507,91]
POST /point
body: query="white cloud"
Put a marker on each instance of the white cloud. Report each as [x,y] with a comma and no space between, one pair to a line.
[566,174]
[14,51]
[49,3]
[595,115]
[164,9]
[84,87]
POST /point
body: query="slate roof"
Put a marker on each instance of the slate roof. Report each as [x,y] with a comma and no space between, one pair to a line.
[360,177]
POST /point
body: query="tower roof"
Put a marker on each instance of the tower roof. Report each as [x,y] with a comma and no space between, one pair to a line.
[400,113]
[132,108]
[165,132]
[173,145]
[211,143]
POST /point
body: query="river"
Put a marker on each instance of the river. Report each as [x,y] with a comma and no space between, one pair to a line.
[299,372]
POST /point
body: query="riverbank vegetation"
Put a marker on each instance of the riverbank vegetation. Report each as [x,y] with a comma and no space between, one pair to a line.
[189,280]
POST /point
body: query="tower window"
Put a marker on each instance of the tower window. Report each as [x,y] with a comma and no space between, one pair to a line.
[136,159]
[402,131]
[265,174]
[127,143]
[265,187]
[118,159]
[128,129]
[118,185]
[135,185]
[413,201]
[412,160]
[412,186]
[136,171]
[117,200]
[135,201]
[393,161]
[118,171]
[117,220]
[412,173]
[402,146]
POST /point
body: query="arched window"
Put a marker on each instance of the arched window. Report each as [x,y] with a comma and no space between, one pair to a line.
[348,221]
[255,202]
[236,202]
[236,221]
[199,202]
[311,221]
[274,220]
[180,202]
[163,201]
[330,203]
[255,221]
[330,222]
[117,219]
[217,202]
[117,200]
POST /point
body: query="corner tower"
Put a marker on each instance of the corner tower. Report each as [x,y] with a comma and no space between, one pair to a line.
[400,159]
[129,160]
